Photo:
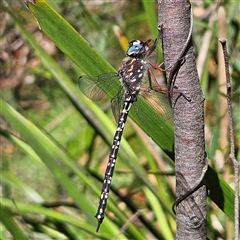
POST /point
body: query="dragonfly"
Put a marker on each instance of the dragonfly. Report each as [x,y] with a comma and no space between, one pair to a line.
[134,71]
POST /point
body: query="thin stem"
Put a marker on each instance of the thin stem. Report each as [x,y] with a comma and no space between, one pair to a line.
[232,143]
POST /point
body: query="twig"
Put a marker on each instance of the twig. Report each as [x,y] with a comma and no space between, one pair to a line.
[232,144]
[128,223]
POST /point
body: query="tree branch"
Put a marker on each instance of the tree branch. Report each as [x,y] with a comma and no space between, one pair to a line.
[188,106]
[232,143]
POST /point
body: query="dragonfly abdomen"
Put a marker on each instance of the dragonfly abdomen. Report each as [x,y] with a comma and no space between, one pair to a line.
[112,160]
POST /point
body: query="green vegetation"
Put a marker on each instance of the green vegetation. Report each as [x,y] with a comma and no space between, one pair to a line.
[55,142]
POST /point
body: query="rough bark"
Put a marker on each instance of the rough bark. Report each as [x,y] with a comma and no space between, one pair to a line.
[188,106]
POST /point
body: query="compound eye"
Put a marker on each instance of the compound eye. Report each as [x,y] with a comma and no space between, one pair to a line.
[135,48]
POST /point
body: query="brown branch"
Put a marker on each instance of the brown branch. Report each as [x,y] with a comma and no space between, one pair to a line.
[188,107]
[232,143]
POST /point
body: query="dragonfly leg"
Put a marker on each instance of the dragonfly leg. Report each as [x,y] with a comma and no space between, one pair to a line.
[157,67]
[154,44]
[150,77]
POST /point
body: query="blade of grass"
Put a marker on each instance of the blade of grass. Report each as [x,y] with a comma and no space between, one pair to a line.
[84,105]
[80,51]
[71,45]
[10,224]
[52,214]
[160,215]
[100,121]
[151,16]
[76,48]
[8,178]
[220,193]
[25,147]
[55,159]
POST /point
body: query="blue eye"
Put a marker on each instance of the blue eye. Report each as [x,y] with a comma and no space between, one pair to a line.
[135,48]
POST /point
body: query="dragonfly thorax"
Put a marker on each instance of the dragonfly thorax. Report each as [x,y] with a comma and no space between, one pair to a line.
[134,66]
[131,73]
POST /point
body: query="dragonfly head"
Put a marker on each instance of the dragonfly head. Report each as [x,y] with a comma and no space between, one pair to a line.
[137,48]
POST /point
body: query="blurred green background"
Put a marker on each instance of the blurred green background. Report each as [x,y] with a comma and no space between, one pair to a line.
[55,142]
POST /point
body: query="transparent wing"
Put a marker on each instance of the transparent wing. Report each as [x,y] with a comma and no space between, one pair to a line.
[117,104]
[158,99]
[90,86]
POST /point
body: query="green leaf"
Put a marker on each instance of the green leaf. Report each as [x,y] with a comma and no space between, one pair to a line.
[51,214]
[220,193]
[79,50]
[55,159]
[160,215]
[76,48]
[9,178]
[162,133]
[10,224]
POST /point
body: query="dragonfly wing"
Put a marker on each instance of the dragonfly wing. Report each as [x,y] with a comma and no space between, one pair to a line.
[91,86]
[117,104]
[158,100]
